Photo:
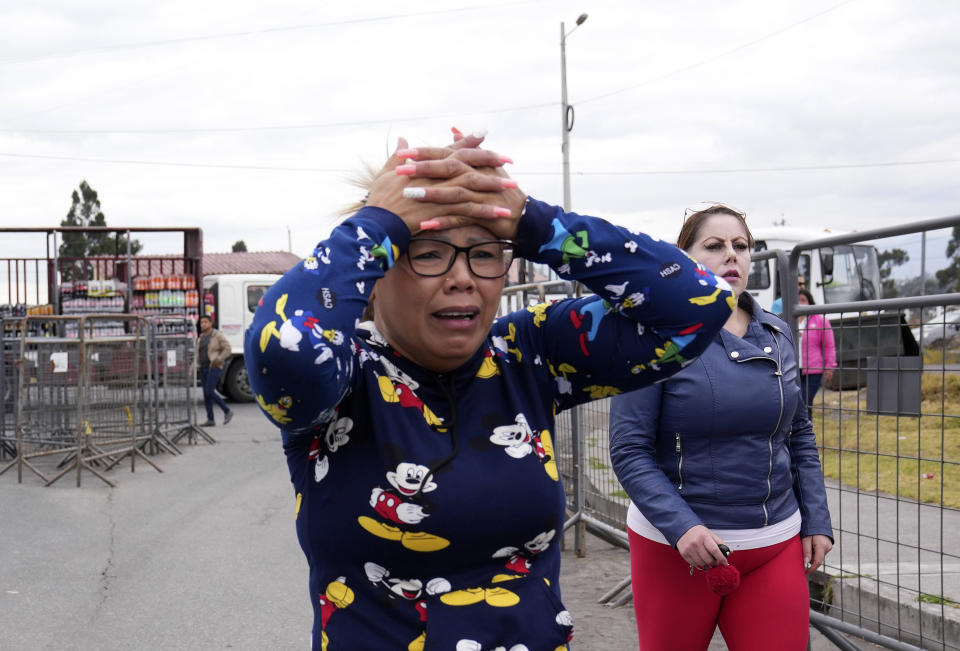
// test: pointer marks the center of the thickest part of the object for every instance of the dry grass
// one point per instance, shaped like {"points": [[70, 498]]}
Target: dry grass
{"points": [[907, 456], [940, 355]]}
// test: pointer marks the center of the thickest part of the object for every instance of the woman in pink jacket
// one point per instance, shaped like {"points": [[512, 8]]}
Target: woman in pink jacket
{"points": [[818, 353]]}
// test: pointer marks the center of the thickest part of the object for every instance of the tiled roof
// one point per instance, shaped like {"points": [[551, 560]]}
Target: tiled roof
{"points": [[249, 262]]}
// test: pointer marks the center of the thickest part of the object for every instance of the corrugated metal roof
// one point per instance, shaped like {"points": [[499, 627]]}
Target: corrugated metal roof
{"points": [[249, 262]]}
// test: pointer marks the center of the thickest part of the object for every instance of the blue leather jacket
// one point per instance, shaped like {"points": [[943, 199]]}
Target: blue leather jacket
{"points": [[726, 442]]}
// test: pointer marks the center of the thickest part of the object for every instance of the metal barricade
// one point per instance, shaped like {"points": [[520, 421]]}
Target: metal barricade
{"points": [[47, 367], [117, 408], [82, 399], [9, 385], [888, 428], [173, 351]]}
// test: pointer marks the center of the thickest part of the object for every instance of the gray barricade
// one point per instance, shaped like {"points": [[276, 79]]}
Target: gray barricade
{"points": [[173, 351], [117, 407], [9, 381], [83, 398], [46, 411], [84, 393], [888, 427]]}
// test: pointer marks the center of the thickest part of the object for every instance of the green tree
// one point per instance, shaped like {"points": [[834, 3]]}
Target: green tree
{"points": [[887, 260], [949, 277], [239, 246], [76, 247]]}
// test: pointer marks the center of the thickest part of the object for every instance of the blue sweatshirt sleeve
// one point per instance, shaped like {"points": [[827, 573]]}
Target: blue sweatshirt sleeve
{"points": [[634, 420], [653, 310], [299, 349]]}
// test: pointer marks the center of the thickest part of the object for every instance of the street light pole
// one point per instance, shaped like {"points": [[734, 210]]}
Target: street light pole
{"points": [[566, 114], [566, 111]]}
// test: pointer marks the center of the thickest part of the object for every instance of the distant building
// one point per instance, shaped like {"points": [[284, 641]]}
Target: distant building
{"points": [[249, 262]]}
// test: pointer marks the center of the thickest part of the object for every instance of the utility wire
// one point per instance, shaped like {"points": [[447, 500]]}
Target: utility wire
{"points": [[288, 127], [788, 168], [326, 125], [327, 170], [103, 95], [253, 32], [117, 161], [715, 57]]}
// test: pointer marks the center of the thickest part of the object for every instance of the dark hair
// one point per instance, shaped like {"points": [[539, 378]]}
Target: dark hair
{"points": [[806, 294], [694, 222], [207, 317]]}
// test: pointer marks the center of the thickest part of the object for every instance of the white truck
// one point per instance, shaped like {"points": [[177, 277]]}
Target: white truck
{"points": [[231, 300], [836, 274]]}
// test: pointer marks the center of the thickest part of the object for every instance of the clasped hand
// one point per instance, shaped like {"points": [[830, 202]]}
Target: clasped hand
{"points": [[433, 188]]}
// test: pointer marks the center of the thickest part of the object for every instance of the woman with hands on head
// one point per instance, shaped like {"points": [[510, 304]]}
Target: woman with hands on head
{"points": [[420, 442], [723, 453]]}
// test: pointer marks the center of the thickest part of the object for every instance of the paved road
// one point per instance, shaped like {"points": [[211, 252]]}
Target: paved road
{"points": [[202, 556]]}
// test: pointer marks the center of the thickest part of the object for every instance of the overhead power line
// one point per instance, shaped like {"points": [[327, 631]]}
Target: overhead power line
{"points": [[325, 125], [327, 170], [279, 127], [704, 62], [228, 166], [252, 32]]}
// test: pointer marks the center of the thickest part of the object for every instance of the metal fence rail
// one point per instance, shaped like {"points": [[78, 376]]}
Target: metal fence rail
{"points": [[80, 401], [9, 385], [888, 428], [45, 369], [172, 342], [77, 395], [117, 407]]}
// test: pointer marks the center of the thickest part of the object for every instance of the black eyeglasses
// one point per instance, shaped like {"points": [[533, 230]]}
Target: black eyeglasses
{"points": [[436, 257]]}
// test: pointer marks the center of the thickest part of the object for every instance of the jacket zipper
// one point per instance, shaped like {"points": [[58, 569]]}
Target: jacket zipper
{"points": [[679, 449], [779, 374]]}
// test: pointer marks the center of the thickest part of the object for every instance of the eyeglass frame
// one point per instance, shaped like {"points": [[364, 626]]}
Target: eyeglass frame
{"points": [[457, 250]]}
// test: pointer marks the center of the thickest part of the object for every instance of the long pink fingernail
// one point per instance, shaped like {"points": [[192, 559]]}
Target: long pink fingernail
{"points": [[407, 153], [509, 183], [500, 211], [505, 159], [406, 170], [428, 224]]}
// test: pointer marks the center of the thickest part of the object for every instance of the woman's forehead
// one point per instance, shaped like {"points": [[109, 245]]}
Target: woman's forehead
{"points": [[460, 235], [723, 226]]}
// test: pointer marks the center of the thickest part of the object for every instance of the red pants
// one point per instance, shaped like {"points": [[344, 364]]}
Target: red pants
{"points": [[677, 611]]}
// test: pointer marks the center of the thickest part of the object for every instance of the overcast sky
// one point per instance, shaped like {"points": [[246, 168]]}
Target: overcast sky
{"points": [[245, 117]]}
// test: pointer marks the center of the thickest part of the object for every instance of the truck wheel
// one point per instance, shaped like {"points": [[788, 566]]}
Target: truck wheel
{"points": [[237, 383]]}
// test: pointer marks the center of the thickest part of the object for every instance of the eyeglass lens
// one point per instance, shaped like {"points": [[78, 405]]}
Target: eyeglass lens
{"points": [[436, 257]]}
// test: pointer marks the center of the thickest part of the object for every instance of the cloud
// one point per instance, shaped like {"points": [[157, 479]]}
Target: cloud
{"points": [[172, 106]]}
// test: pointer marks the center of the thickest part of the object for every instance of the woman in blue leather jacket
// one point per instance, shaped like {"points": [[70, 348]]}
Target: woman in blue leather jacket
{"points": [[723, 453]]}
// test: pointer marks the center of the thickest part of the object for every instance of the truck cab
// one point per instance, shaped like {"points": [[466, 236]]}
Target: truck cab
{"points": [[230, 300], [836, 274]]}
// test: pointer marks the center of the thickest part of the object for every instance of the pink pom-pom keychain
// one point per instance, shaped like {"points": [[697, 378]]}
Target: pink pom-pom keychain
{"points": [[723, 579]]}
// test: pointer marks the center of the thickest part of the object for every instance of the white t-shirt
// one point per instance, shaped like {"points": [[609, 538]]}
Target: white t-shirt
{"points": [[734, 538]]}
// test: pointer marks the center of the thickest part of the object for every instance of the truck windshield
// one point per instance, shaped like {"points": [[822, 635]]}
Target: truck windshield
{"points": [[850, 273]]}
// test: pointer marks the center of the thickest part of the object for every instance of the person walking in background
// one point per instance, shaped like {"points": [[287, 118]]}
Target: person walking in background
{"points": [[419, 431], [777, 306], [723, 453], [818, 352], [213, 350]]}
